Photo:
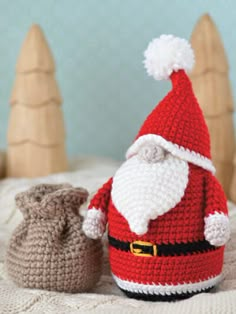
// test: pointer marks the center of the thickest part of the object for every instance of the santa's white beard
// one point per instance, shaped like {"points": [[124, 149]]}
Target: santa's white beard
{"points": [[142, 191]]}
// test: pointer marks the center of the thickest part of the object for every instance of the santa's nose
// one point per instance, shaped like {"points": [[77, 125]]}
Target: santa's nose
{"points": [[151, 153]]}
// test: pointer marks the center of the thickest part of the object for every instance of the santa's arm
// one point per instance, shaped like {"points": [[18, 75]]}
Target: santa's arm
{"points": [[94, 224], [217, 230]]}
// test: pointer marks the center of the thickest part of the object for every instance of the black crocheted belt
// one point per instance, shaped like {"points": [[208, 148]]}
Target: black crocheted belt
{"points": [[143, 248]]}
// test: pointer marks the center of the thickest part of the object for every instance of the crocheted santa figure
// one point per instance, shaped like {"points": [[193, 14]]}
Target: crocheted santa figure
{"points": [[166, 211]]}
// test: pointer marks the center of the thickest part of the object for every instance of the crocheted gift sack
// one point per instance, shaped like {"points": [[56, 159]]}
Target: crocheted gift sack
{"points": [[49, 250], [166, 211]]}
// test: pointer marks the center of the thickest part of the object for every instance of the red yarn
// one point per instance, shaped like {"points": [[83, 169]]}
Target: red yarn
{"points": [[182, 224], [179, 119], [166, 269], [102, 197]]}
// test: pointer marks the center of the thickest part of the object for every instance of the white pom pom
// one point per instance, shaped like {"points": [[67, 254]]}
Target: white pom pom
{"points": [[167, 54]]}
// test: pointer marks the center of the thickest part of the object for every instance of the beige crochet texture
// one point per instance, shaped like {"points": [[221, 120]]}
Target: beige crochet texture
{"points": [[49, 250]]}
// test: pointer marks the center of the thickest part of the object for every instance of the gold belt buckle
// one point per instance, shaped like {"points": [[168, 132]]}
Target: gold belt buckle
{"points": [[139, 252]]}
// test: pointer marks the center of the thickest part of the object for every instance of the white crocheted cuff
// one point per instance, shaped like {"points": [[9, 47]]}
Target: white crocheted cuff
{"points": [[217, 229], [94, 224]]}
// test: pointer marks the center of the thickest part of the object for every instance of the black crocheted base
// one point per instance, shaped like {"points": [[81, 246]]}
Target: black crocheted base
{"points": [[166, 298]]}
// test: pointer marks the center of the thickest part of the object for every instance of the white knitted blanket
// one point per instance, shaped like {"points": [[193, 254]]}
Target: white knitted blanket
{"points": [[106, 297]]}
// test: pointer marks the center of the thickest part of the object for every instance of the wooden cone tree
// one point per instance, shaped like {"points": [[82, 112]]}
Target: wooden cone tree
{"points": [[212, 88], [233, 183], [36, 130], [2, 164]]}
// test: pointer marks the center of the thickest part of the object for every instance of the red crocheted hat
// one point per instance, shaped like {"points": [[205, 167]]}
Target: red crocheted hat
{"points": [[177, 123]]}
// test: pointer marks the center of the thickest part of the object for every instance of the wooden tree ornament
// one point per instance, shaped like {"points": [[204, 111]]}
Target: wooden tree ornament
{"points": [[36, 136], [210, 78]]}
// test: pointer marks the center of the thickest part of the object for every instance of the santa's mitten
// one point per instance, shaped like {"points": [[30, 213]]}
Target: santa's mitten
{"points": [[94, 224], [217, 229]]}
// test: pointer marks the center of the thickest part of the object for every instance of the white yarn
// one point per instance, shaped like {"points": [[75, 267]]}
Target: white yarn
{"points": [[142, 191], [166, 289], [167, 54], [217, 229], [174, 149], [94, 224]]}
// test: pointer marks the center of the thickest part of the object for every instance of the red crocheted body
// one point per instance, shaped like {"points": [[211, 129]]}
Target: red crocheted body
{"points": [[182, 224]]}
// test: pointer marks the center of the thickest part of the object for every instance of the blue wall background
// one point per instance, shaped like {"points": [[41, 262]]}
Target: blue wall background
{"points": [[98, 47]]}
